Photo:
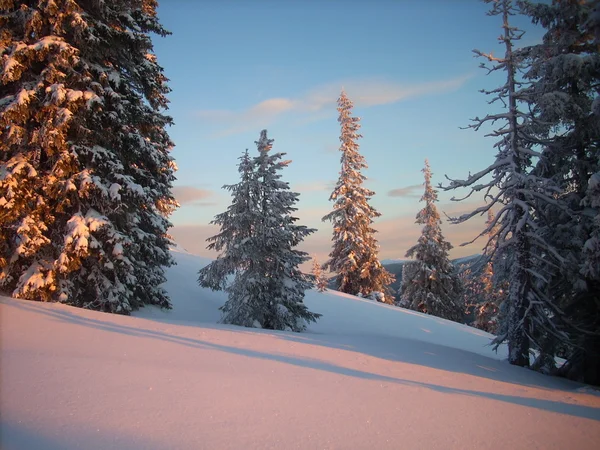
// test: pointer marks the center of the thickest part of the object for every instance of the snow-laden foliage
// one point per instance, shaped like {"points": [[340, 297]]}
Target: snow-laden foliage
{"points": [[430, 283], [258, 265], [85, 171], [354, 256], [564, 72], [520, 193], [319, 276], [485, 291], [237, 226]]}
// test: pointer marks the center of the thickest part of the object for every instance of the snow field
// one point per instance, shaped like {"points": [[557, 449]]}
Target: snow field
{"points": [[365, 376]]}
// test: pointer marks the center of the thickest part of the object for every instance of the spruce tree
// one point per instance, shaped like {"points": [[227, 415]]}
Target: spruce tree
{"points": [[354, 256], [257, 239], [521, 194], [564, 72], [430, 283], [317, 272], [85, 170]]}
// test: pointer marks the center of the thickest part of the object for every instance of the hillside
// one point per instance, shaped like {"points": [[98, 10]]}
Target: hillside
{"points": [[365, 376]]}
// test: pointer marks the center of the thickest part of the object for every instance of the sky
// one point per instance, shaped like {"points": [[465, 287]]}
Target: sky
{"points": [[237, 67]]}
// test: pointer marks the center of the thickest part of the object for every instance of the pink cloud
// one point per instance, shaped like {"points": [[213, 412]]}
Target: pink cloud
{"points": [[415, 190], [189, 195], [322, 99]]}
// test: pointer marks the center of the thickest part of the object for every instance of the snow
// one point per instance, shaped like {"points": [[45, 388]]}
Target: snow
{"points": [[365, 376], [114, 191]]}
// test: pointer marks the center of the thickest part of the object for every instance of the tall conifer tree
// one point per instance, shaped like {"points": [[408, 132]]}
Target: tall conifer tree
{"points": [[522, 195], [354, 256], [564, 71], [430, 283], [85, 171]]}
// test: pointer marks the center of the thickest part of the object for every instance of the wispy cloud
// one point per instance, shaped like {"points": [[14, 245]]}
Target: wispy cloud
{"points": [[378, 91], [315, 186], [192, 196], [259, 115], [413, 191], [315, 102]]}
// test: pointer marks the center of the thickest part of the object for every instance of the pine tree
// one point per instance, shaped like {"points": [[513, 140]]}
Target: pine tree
{"points": [[564, 71], [257, 239], [430, 283], [317, 272], [530, 312], [85, 171], [354, 254]]}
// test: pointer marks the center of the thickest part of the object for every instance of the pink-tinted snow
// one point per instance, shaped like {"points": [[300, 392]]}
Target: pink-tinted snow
{"points": [[367, 376]]}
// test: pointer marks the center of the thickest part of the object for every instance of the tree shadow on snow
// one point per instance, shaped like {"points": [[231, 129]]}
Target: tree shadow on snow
{"points": [[436, 356], [404, 350], [20, 435]]}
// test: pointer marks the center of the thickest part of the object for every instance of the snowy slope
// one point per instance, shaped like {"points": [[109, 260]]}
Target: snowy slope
{"points": [[365, 376]]}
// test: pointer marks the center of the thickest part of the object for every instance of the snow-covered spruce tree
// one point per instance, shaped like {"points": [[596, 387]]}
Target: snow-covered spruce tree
{"points": [[85, 171], [564, 71], [354, 256], [430, 283], [257, 239], [510, 183], [320, 278]]}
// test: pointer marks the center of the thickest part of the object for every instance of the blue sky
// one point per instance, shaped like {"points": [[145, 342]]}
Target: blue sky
{"points": [[237, 67]]}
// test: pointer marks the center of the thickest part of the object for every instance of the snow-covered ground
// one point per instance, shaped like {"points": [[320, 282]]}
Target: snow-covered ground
{"points": [[366, 376]]}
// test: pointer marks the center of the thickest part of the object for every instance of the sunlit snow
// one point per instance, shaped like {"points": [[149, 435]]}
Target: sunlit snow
{"points": [[366, 376]]}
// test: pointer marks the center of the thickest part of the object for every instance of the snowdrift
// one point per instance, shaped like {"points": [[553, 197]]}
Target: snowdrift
{"points": [[365, 376]]}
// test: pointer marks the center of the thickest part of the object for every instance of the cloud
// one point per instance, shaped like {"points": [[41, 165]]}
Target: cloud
{"points": [[189, 195], [257, 116], [315, 186], [322, 99], [272, 106], [379, 91], [413, 191]]}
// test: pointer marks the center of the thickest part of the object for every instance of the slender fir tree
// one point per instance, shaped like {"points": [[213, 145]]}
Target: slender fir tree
{"points": [[317, 272], [257, 240], [85, 170], [520, 192], [354, 256], [430, 283]]}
